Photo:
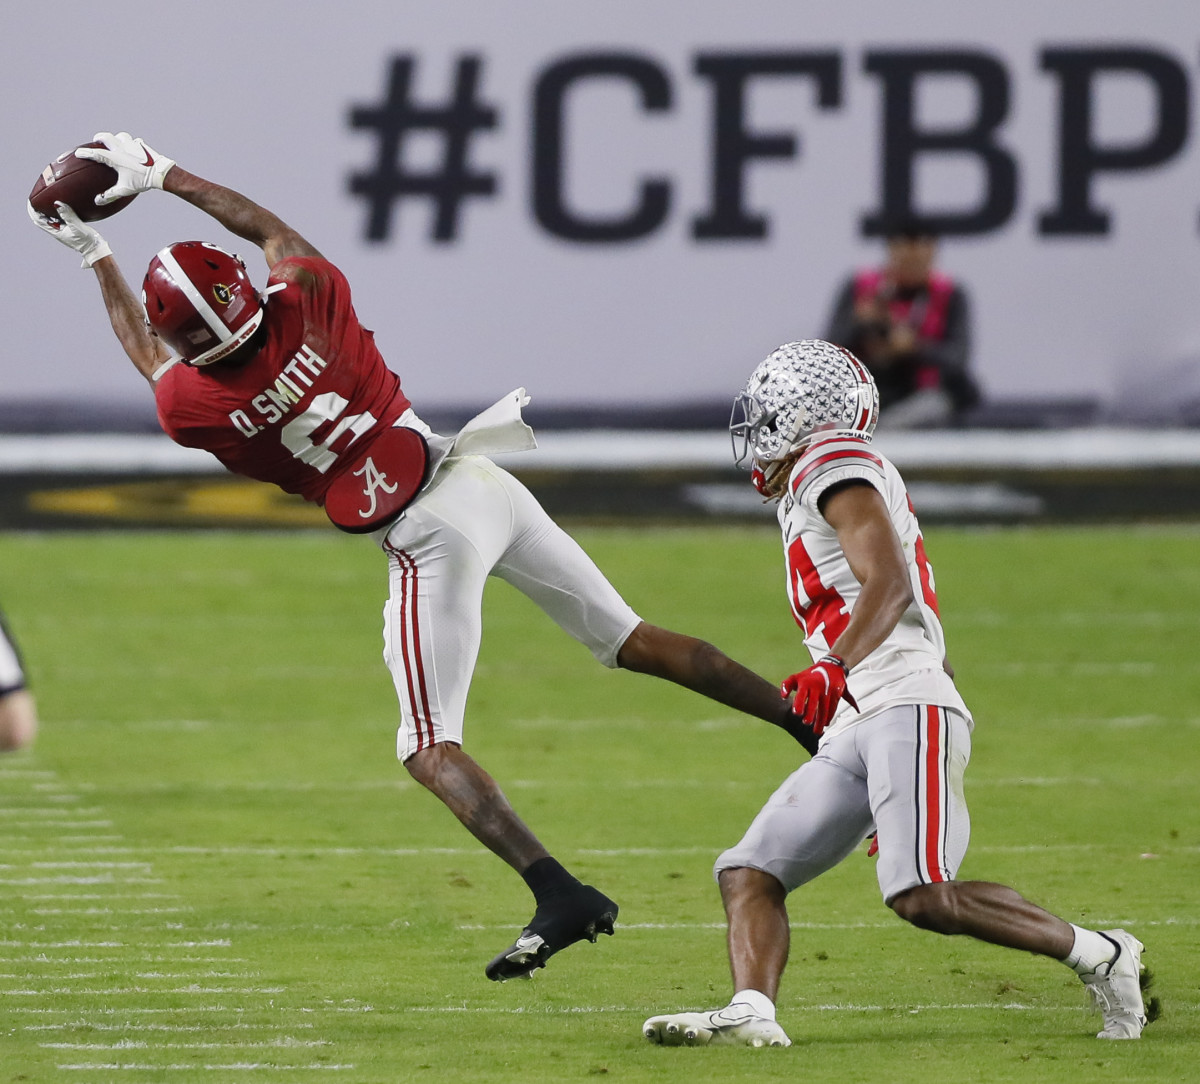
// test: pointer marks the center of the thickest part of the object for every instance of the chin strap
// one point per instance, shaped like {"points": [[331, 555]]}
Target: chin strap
{"points": [[771, 480]]}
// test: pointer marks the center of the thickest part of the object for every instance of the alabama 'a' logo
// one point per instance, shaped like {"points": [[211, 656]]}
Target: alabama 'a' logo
{"points": [[373, 480], [222, 293]]}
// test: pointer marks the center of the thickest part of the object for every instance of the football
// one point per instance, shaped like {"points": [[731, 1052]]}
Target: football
{"points": [[76, 182]]}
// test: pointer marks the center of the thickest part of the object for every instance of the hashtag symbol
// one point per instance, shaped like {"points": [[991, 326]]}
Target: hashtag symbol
{"points": [[389, 182]]}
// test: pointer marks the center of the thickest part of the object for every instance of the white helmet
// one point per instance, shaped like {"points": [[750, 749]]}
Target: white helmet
{"points": [[803, 388]]}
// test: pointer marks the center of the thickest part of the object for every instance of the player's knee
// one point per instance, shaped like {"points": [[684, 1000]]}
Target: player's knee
{"points": [[929, 907], [743, 881], [425, 765]]}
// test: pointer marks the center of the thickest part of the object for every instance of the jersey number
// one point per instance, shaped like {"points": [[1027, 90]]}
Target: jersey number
{"points": [[327, 407], [924, 568], [819, 608]]}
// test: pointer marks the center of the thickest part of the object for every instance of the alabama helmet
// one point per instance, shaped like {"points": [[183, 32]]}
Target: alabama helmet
{"points": [[802, 389], [200, 301]]}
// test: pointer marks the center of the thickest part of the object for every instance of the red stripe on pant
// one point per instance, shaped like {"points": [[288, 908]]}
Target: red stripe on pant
{"points": [[933, 796], [418, 695]]}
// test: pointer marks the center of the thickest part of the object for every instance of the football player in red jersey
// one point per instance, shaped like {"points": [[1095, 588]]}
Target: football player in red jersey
{"points": [[895, 735], [286, 386]]}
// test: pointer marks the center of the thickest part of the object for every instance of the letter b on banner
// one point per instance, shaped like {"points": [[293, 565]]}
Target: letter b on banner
{"points": [[904, 142]]}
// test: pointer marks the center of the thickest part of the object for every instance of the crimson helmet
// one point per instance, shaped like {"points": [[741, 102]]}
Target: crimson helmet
{"points": [[200, 301]]}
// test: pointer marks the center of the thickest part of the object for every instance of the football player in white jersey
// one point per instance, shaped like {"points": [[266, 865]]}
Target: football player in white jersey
{"points": [[894, 734]]}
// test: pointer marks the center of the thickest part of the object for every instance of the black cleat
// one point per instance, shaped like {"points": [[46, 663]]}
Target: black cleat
{"points": [[579, 915]]}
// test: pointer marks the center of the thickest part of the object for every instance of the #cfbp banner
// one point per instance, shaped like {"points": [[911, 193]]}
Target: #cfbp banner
{"points": [[633, 203]]}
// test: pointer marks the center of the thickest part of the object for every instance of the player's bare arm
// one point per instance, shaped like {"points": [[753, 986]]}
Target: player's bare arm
{"points": [[239, 215], [124, 312], [140, 168], [859, 515], [144, 348], [697, 665]]}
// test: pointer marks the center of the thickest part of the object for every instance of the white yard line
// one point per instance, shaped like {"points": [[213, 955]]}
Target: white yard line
{"points": [[893, 924], [793, 1007], [67, 879], [38, 896], [123, 1026], [133, 957], [111, 910], [192, 990], [76, 1014], [25, 825], [141, 1044], [249, 1067]]}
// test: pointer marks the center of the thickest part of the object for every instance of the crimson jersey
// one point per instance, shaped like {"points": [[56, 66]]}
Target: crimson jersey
{"points": [[316, 387], [822, 589]]}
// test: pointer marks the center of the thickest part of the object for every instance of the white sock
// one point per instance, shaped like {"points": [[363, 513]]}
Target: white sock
{"points": [[1090, 952], [760, 1003]]}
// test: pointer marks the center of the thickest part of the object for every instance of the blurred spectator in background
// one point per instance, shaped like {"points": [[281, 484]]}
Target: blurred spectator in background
{"points": [[18, 716], [911, 326]]}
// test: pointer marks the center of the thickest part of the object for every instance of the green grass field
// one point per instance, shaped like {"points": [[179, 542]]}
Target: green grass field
{"points": [[212, 868]]}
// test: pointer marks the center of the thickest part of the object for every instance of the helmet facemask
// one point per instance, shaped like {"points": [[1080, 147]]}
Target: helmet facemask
{"points": [[754, 429]]}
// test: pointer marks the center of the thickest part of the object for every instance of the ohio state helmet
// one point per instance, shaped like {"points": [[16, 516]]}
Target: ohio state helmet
{"points": [[200, 301], [802, 389]]}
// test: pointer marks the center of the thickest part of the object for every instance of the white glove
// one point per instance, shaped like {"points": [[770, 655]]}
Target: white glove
{"points": [[138, 167], [73, 233]]}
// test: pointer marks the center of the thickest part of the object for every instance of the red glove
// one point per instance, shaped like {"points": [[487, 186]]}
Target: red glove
{"points": [[819, 690]]}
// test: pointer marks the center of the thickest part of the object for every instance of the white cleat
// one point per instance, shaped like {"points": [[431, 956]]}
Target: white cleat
{"points": [[1116, 988], [734, 1025]]}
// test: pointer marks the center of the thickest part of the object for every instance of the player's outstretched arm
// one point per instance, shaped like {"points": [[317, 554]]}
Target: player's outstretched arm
{"points": [[240, 215], [140, 168], [144, 348], [124, 311]]}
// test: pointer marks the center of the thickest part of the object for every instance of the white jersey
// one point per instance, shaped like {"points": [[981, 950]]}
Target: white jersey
{"points": [[907, 667]]}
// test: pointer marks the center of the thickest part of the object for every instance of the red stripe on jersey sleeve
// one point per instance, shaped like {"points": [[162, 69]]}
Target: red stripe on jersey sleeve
{"points": [[807, 470]]}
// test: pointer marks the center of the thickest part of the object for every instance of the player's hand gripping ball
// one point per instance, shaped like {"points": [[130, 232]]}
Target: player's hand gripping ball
{"points": [[76, 182]]}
